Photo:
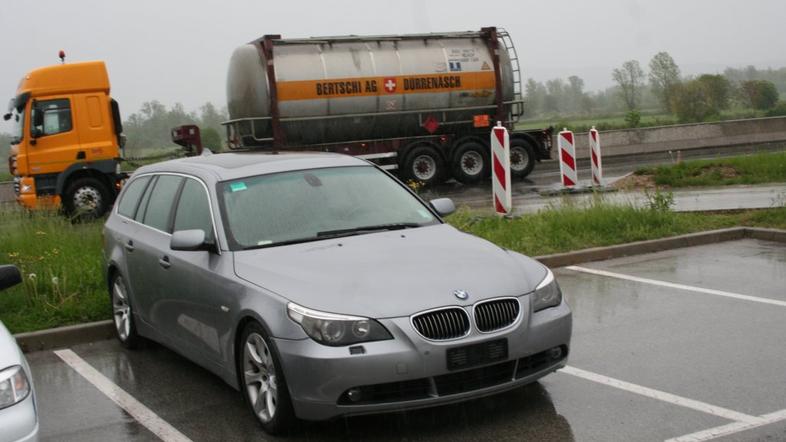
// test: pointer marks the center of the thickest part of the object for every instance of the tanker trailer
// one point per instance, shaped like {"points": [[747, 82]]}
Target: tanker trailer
{"points": [[421, 104]]}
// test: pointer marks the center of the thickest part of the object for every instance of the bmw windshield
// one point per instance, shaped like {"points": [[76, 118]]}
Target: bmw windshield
{"points": [[309, 205]]}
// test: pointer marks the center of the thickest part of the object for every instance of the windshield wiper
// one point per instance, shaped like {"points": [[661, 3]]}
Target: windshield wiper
{"points": [[337, 234], [366, 229]]}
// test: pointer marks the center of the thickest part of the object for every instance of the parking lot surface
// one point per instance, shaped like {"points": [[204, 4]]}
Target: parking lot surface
{"points": [[686, 344]]}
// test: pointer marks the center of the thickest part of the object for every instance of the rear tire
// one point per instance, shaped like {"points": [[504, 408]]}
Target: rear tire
{"points": [[471, 162], [522, 159], [424, 164], [86, 199], [262, 382], [122, 315]]}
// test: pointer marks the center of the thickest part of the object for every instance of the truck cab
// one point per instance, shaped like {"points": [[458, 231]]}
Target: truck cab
{"points": [[67, 139]]}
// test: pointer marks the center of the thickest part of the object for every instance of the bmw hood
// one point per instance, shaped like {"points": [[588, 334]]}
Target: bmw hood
{"points": [[392, 273]]}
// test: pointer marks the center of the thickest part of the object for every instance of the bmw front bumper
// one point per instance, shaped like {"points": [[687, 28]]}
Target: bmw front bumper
{"points": [[411, 372], [19, 422]]}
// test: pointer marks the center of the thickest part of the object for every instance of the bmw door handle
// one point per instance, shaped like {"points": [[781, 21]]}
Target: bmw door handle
{"points": [[129, 245], [164, 262]]}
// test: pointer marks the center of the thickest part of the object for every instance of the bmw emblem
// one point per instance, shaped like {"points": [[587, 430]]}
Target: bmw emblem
{"points": [[461, 294]]}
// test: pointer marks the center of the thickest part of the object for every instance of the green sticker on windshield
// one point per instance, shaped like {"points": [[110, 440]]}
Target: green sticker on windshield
{"points": [[238, 186]]}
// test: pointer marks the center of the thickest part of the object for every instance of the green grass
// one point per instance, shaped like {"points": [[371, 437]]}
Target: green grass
{"points": [[583, 124], [614, 122], [5, 175], [61, 265], [747, 169], [48, 246]]}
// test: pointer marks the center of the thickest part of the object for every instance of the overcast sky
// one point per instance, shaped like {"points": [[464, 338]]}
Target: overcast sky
{"points": [[177, 50]]}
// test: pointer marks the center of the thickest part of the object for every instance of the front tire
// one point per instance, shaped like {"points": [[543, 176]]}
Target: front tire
{"points": [[262, 380], [86, 198], [122, 315]]}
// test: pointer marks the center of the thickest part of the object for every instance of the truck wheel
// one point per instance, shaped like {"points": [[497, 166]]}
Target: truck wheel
{"points": [[522, 159], [424, 164], [86, 198], [471, 162]]}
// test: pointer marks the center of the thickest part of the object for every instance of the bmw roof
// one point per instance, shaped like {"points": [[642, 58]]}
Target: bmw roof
{"points": [[233, 165]]}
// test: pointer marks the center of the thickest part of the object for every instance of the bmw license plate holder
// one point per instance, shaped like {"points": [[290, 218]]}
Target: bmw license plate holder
{"points": [[469, 356]]}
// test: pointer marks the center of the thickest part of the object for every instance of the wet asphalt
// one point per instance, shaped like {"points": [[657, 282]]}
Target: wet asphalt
{"points": [[723, 351]]}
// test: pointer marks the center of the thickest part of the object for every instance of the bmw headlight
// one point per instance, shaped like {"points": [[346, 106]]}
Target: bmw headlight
{"points": [[547, 294], [14, 386], [337, 330]]}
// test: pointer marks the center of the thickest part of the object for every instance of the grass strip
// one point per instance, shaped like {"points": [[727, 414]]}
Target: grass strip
{"points": [[746, 169], [63, 268]]}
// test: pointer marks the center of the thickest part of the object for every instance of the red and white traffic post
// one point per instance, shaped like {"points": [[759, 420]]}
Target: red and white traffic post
{"points": [[500, 160], [567, 158], [597, 167]]}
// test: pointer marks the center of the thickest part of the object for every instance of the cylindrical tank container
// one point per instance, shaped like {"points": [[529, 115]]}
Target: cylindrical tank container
{"points": [[340, 89]]}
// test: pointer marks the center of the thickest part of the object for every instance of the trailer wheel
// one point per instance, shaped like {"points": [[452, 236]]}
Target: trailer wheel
{"points": [[522, 158], [424, 164], [86, 198], [471, 162]]}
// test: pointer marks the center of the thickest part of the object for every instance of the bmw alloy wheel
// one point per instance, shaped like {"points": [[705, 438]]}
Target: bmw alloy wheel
{"points": [[259, 373], [121, 309]]}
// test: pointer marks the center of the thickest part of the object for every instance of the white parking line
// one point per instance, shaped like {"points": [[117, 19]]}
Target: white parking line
{"points": [[725, 430], [677, 286], [136, 409], [663, 396]]}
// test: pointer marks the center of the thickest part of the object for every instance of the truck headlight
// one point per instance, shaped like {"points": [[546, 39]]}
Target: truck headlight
{"points": [[547, 294], [337, 330], [14, 387]]}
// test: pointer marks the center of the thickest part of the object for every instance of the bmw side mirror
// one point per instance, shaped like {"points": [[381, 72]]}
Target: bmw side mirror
{"points": [[9, 276], [443, 206], [188, 240]]}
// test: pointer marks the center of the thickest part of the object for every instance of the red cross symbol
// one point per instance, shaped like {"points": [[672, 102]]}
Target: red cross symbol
{"points": [[390, 85]]}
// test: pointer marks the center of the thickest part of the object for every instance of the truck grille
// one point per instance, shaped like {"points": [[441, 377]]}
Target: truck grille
{"points": [[496, 314], [442, 325]]}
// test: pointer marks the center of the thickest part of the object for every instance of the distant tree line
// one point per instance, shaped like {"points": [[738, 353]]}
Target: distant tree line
{"points": [[150, 127], [663, 88]]}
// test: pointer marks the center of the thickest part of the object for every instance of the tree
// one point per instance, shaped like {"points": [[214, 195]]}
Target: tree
{"points": [[630, 79], [575, 94], [664, 77], [211, 139], [759, 94], [534, 95], [692, 102], [718, 90], [555, 98]]}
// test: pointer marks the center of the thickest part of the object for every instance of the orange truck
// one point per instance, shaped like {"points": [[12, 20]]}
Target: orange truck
{"points": [[67, 139]]}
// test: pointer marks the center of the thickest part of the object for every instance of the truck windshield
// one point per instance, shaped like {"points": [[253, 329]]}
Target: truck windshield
{"points": [[316, 204]]}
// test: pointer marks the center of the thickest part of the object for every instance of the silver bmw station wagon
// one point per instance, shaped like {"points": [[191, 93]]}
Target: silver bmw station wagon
{"points": [[320, 286]]}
